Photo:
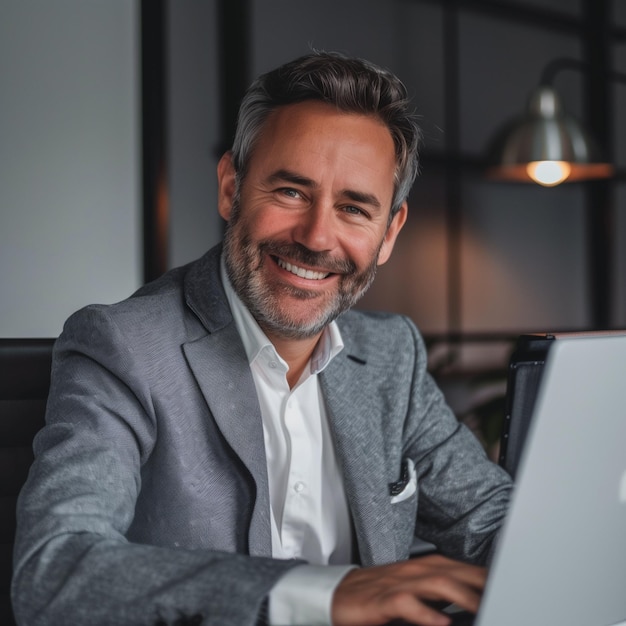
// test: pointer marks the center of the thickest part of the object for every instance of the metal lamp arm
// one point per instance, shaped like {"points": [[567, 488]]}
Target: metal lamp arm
{"points": [[564, 63]]}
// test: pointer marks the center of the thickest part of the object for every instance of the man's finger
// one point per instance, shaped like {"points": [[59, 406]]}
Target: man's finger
{"points": [[377, 595]]}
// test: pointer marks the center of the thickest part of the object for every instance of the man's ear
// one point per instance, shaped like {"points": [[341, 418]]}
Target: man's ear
{"points": [[392, 233], [226, 185]]}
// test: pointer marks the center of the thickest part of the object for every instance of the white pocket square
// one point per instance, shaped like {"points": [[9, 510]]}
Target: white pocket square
{"points": [[407, 486]]}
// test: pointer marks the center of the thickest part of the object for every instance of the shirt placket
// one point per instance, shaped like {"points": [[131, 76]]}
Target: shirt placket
{"points": [[297, 511]]}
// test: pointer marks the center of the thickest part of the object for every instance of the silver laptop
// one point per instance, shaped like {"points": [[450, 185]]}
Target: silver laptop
{"points": [[561, 560]]}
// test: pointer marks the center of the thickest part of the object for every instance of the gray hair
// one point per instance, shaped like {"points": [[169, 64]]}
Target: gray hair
{"points": [[352, 85]]}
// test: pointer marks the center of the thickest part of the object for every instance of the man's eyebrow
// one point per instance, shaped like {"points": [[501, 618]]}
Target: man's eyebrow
{"points": [[361, 197], [288, 176]]}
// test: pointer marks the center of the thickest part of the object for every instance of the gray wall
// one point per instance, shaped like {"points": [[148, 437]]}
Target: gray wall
{"points": [[69, 159]]}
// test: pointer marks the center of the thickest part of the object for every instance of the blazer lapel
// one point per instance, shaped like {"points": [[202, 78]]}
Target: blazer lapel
{"points": [[219, 364], [355, 420]]}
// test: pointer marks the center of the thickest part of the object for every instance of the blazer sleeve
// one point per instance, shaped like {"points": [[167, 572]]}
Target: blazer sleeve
{"points": [[463, 495], [72, 562]]}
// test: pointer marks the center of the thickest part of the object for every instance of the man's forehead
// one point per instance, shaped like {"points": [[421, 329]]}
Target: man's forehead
{"points": [[311, 129]]}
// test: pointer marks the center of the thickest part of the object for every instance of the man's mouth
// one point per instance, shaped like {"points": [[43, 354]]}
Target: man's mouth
{"points": [[300, 271]]}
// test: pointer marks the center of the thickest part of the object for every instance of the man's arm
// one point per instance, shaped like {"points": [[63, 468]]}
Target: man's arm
{"points": [[462, 499], [463, 495], [73, 562]]}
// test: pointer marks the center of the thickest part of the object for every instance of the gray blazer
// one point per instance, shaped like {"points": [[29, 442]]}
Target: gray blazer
{"points": [[148, 499]]}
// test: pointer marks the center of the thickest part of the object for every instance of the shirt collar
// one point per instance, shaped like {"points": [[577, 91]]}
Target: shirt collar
{"points": [[255, 341]]}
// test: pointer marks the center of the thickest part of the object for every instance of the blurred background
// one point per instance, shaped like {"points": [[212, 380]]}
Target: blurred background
{"points": [[113, 114]]}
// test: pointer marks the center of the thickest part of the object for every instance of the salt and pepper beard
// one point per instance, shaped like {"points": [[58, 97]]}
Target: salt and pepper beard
{"points": [[244, 259]]}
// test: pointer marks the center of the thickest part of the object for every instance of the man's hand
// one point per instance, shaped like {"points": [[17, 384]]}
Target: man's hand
{"points": [[376, 595]]}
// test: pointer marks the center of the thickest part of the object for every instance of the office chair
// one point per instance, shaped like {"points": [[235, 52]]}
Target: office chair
{"points": [[24, 383], [526, 367]]}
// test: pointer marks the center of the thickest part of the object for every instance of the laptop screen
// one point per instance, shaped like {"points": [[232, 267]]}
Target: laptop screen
{"points": [[561, 558]]}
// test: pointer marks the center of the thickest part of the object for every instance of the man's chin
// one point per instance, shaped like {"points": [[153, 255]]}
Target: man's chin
{"points": [[292, 326], [298, 295]]}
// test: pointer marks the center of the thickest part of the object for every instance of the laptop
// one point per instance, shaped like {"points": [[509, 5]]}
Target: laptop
{"points": [[561, 557]]}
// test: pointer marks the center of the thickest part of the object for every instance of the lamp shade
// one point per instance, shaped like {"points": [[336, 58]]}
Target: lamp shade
{"points": [[545, 145]]}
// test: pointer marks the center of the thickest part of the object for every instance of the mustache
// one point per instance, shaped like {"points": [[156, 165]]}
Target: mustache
{"points": [[301, 254]]}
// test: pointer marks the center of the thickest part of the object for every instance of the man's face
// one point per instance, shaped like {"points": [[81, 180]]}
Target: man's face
{"points": [[310, 224]]}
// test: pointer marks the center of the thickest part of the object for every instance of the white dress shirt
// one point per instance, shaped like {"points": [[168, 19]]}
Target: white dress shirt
{"points": [[310, 518]]}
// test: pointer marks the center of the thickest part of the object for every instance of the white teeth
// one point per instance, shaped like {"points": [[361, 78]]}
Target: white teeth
{"points": [[299, 271]]}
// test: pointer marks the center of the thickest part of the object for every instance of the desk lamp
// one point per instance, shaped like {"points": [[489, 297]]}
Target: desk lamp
{"points": [[545, 144]]}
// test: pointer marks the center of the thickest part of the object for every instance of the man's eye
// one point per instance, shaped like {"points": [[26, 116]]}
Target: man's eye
{"points": [[291, 193], [354, 210]]}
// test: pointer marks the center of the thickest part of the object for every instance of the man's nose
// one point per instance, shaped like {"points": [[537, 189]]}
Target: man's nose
{"points": [[316, 229]]}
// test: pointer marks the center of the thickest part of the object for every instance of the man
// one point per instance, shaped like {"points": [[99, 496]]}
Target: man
{"points": [[232, 443]]}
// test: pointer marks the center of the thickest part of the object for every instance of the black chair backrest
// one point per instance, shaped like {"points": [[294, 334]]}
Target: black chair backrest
{"points": [[24, 383], [525, 371]]}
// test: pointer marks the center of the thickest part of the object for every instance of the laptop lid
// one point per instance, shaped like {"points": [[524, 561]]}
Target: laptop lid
{"points": [[561, 558]]}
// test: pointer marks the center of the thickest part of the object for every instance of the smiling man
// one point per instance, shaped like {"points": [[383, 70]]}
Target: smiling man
{"points": [[233, 444]]}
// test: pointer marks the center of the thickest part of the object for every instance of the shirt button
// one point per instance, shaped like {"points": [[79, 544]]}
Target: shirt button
{"points": [[299, 487], [273, 365]]}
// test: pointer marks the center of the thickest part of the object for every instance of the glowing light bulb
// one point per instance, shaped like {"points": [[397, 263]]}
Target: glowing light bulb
{"points": [[549, 173]]}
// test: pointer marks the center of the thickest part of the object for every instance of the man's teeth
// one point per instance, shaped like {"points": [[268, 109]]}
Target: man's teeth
{"points": [[299, 271]]}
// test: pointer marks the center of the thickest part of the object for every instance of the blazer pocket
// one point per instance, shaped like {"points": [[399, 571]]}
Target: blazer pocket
{"points": [[406, 487]]}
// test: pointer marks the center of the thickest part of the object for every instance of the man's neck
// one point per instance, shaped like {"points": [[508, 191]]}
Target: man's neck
{"points": [[296, 353]]}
